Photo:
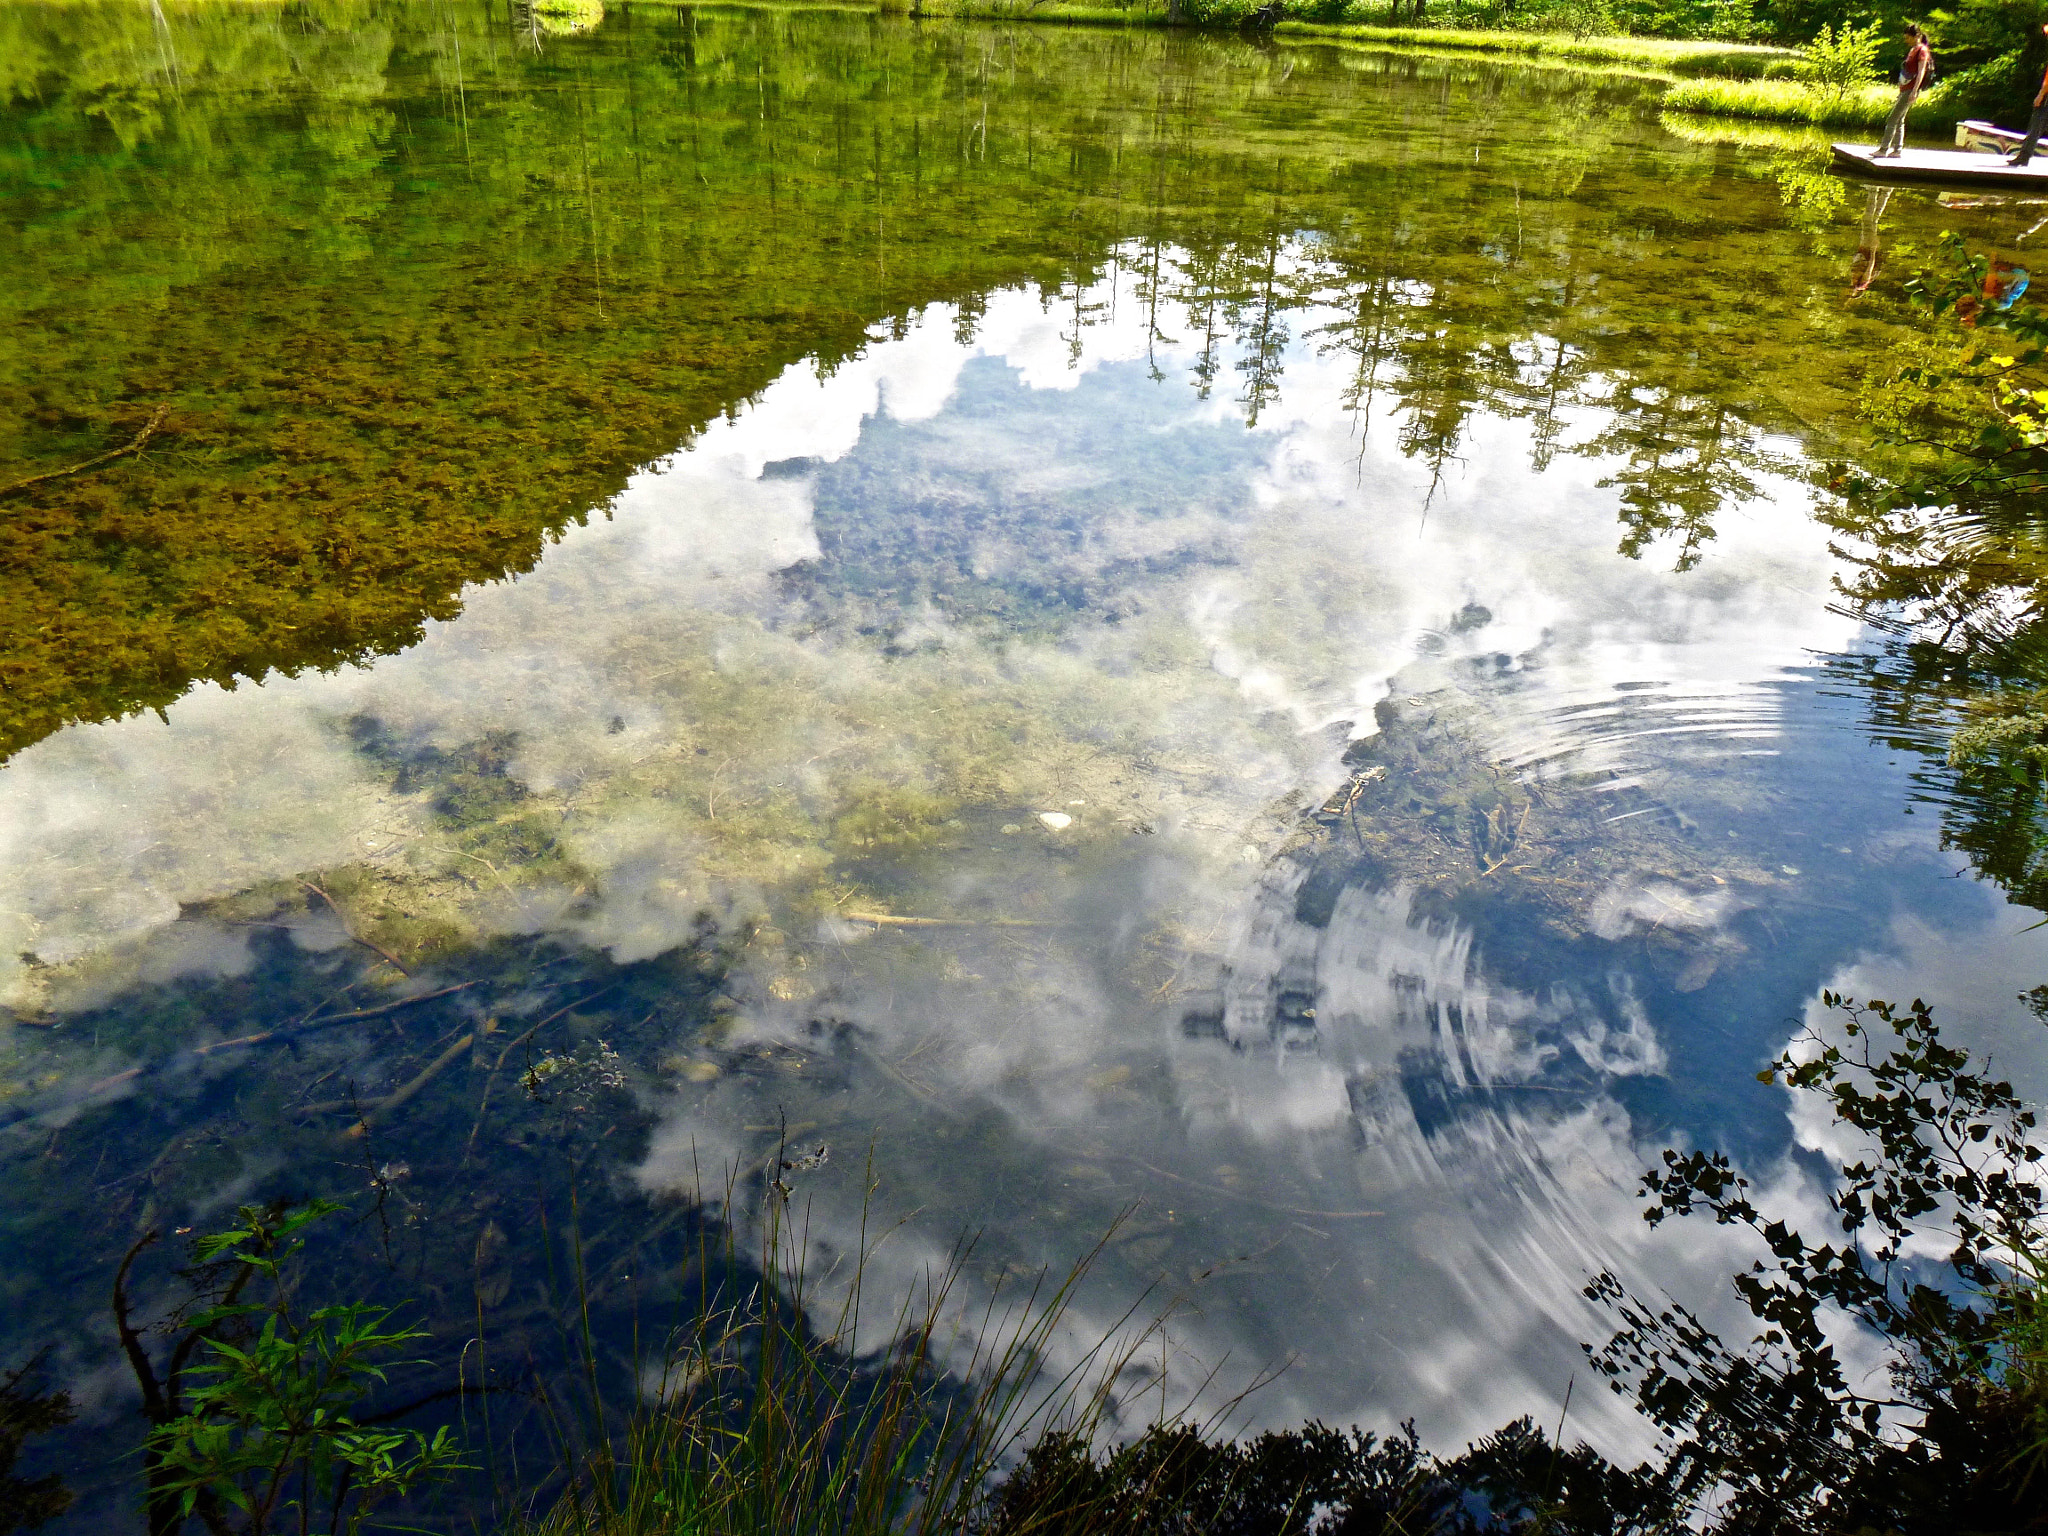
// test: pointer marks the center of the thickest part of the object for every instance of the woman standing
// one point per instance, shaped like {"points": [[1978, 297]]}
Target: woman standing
{"points": [[1912, 78]]}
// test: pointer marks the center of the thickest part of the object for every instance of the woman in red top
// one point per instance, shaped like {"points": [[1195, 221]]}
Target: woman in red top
{"points": [[1912, 76]]}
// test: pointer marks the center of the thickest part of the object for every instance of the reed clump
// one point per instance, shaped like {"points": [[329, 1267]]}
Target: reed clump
{"points": [[772, 1415]]}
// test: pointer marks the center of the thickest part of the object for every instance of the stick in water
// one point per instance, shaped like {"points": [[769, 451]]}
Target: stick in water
{"points": [[141, 437]]}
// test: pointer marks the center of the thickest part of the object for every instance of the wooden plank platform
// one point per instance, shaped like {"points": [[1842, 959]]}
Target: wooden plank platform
{"points": [[1954, 167]]}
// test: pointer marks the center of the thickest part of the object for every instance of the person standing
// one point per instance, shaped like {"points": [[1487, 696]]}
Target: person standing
{"points": [[1912, 77], [2039, 122]]}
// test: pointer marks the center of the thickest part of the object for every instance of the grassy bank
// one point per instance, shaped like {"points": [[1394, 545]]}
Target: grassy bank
{"points": [[1656, 55], [1787, 101], [1660, 57]]}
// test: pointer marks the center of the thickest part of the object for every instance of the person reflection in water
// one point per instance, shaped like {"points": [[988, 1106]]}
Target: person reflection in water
{"points": [[1912, 77], [2038, 123], [1863, 270]]}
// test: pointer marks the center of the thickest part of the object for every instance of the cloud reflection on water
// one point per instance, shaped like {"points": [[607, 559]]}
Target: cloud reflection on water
{"points": [[706, 728]]}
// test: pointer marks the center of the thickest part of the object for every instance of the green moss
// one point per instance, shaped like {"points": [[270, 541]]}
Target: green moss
{"points": [[417, 336], [892, 818]]}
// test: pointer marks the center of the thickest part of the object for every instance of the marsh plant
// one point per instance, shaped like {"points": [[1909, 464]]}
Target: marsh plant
{"points": [[784, 1404], [780, 1407], [256, 1411]]}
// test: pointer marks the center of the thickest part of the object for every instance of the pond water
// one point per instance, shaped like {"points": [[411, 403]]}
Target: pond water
{"points": [[1097, 623]]}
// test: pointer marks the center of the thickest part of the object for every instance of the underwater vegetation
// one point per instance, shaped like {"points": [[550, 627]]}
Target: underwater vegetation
{"points": [[28, 1408], [419, 295]]}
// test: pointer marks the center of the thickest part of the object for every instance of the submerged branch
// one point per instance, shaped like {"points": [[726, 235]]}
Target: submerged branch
{"points": [[365, 1108], [14, 1113], [349, 928], [891, 920], [156, 420]]}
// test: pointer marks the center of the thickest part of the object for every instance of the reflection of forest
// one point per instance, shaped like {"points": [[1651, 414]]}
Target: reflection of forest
{"points": [[1963, 642], [1942, 526], [419, 290]]}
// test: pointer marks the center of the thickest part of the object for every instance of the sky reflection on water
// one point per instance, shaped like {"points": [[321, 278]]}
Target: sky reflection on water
{"points": [[1000, 679]]}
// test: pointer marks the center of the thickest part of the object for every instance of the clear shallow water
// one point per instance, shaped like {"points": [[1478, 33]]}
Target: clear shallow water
{"points": [[1177, 735]]}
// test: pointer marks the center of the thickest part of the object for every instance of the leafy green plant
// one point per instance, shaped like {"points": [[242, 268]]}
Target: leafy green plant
{"points": [[256, 1414], [2007, 733], [1943, 1251], [1577, 19], [1838, 62], [1735, 20], [1174, 1479]]}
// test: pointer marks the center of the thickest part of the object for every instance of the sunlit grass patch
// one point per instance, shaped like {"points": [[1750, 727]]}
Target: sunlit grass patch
{"points": [[1672, 56], [1788, 101], [563, 17]]}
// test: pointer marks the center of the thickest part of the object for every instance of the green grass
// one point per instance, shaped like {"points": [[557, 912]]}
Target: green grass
{"points": [[782, 1407], [1659, 55], [1786, 101]]}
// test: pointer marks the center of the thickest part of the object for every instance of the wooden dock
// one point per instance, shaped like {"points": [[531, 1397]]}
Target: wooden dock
{"points": [[1950, 167]]}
